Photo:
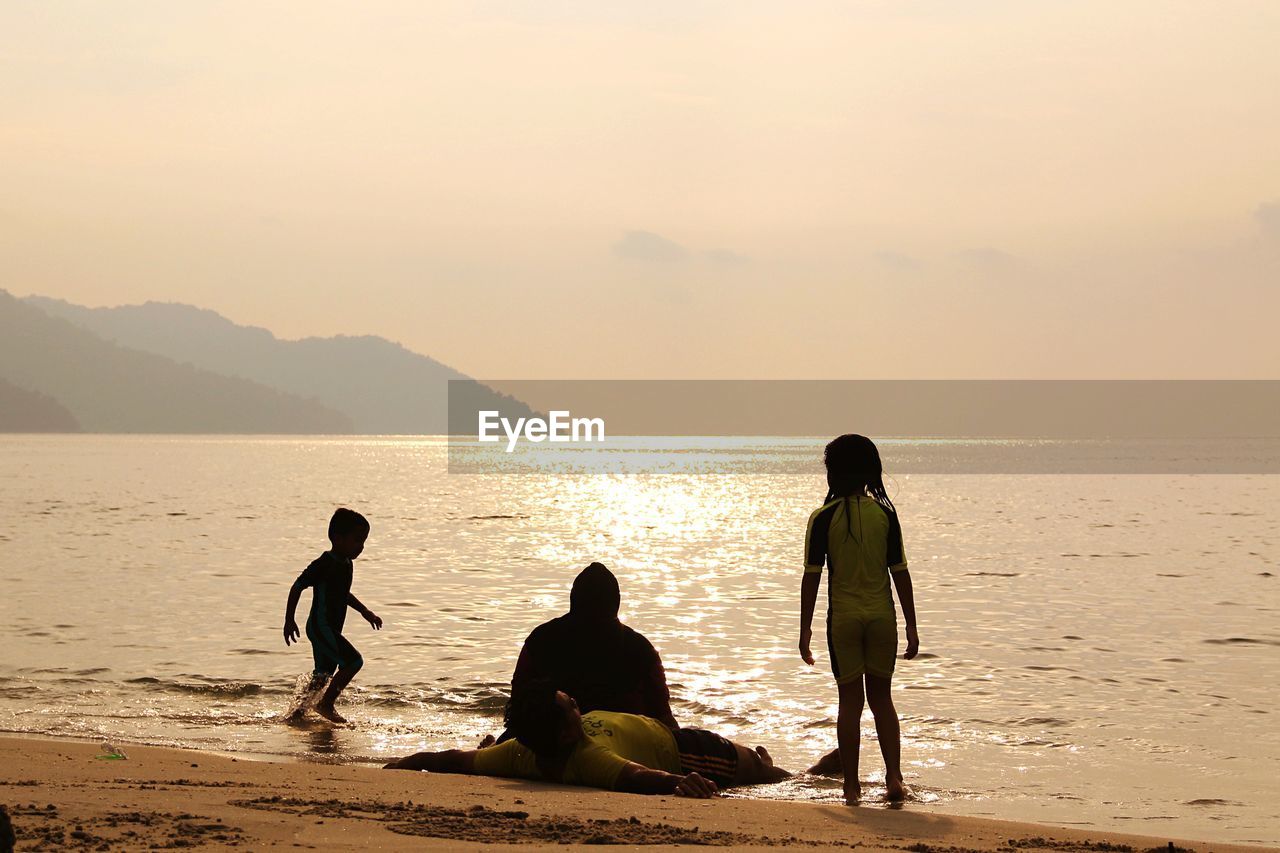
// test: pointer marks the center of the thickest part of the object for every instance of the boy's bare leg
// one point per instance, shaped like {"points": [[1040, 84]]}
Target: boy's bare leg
{"points": [[849, 736], [755, 767], [307, 696], [880, 698], [336, 685]]}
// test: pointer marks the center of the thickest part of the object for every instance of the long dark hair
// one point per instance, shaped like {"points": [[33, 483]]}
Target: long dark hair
{"points": [[853, 468]]}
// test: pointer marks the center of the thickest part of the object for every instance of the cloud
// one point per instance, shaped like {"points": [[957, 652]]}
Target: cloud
{"points": [[647, 246], [985, 259], [727, 257]]}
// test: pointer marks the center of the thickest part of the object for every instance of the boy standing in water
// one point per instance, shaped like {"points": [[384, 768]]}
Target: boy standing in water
{"points": [[329, 576], [855, 535]]}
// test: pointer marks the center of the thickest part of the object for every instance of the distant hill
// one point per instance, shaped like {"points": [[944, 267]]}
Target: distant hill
{"points": [[29, 411], [379, 385], [105, 387]]}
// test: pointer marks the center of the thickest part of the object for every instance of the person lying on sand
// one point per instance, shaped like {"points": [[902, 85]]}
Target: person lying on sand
{"points": [[555, 741]]}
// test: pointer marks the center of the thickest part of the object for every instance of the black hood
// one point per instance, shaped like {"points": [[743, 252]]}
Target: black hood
{"points": [[595, 596]]}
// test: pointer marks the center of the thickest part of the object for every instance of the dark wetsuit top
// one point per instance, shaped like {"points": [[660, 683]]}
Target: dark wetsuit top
{"points": [[329, 576]]}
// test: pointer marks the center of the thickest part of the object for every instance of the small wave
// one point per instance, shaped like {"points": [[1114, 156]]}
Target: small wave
{"points": [[19, 691], [1211, 801], [1241, 641], [1052, 722], [206, 687], [481, 697]]}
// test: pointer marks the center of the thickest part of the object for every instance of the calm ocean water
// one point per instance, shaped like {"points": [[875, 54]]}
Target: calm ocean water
{"points": [[1097, 650]]}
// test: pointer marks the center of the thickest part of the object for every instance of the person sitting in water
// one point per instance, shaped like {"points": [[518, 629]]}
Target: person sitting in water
{"points": [[555, 741], [593, 657]]}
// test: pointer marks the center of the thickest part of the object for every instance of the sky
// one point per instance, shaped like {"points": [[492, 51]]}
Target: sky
{"points": [[666, 189]]}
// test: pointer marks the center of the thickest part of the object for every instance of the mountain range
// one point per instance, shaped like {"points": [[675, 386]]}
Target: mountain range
{"points": [[165, 367]]}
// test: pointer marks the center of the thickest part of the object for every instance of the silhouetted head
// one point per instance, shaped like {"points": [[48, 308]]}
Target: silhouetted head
{"points": [[348, 531], [595, 596], [853, 468], [543, 719]]}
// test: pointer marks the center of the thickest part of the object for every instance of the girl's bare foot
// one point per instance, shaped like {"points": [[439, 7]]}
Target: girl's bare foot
{"points": [[895, 790], [329, 714], [489, 740], [852, 792]]}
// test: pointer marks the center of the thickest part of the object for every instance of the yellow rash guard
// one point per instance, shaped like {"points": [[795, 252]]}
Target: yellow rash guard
{"points": [[612, 741], [859, 542]]}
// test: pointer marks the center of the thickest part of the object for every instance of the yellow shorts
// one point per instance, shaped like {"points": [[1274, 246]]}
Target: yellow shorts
{"points": [[860, 644]]}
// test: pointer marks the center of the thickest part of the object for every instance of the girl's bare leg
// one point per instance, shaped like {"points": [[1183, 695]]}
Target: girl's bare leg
{"points": [[880, 698], [849, 736]]}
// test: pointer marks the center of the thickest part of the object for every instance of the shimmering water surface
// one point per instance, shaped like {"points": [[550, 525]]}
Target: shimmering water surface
{"points": [[1097, 650]]}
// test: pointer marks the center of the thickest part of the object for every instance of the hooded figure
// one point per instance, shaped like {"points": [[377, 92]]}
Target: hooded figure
{"points": [[589, 654]]}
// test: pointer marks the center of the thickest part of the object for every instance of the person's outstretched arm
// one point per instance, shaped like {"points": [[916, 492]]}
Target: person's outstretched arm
{"points": [[638, 779], [808, 601], [372, 618], [449, 761], [907, 599]]}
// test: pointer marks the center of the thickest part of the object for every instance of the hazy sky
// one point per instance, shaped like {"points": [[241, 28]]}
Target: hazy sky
{"points": [[554, 189]]}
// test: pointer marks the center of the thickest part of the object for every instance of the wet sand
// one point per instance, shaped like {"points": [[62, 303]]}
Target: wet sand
{"points": [[60, 795]]}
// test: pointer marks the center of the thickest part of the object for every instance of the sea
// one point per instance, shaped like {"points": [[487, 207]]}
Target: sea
{"points": [[1098, 649]]}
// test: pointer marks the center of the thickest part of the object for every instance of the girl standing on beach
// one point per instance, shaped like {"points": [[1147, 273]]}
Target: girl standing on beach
{"points": [[855, 535]]}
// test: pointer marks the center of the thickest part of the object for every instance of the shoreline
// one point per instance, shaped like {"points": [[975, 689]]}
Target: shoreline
{"points": [[61, 796]]}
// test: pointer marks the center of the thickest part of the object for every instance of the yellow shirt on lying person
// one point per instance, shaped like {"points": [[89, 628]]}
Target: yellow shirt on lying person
{"points": [[612, 740]]}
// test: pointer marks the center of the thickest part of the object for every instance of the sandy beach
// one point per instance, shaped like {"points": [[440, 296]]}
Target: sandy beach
{"points": [[61, 795]]}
